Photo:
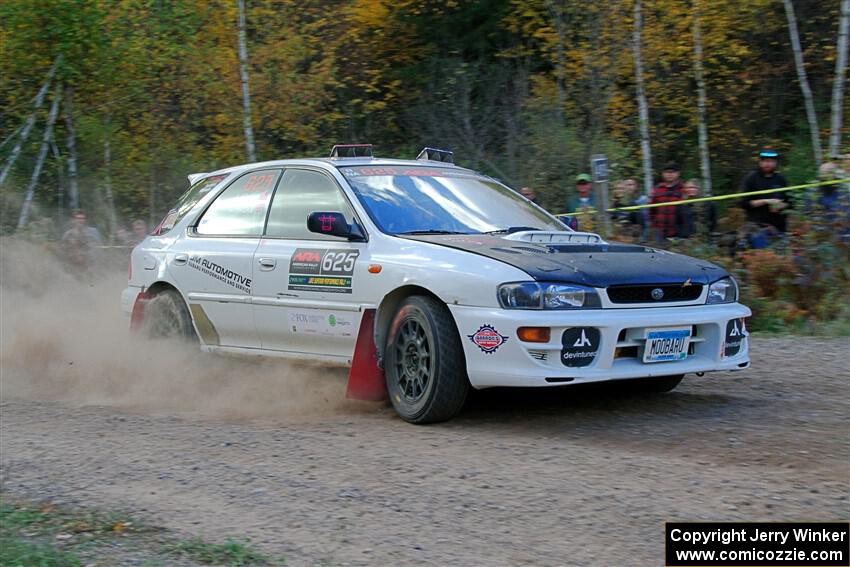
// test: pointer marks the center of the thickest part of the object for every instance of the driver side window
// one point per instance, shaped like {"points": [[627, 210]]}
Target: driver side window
{"points": [[241, 208], [301, 192]]}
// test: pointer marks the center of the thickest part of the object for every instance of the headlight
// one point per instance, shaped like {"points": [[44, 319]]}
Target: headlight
{"points": [[533, 295], [722, 291]]}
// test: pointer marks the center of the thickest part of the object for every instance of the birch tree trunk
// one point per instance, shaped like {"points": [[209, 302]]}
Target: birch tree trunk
{"points": [[643, 111], [107, 186], [246, 91], [702, 127], [60, 172], [42, 153], [25, 132], [71, 143], [804, 81], [838, 81]]}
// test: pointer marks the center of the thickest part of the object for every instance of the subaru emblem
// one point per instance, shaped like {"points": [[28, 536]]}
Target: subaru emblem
{"points": [[657, 293]]}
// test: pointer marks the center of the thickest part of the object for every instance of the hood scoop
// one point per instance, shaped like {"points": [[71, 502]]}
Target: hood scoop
{"points": [[555, 237]]}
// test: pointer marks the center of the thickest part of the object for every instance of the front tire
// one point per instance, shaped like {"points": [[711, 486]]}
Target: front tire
{"points": [[425, 369], [167, 317]]}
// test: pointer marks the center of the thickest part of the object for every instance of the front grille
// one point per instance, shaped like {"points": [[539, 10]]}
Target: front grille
{"points": [[643, 293]]}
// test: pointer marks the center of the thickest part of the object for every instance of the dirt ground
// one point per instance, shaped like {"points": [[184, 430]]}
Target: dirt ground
{"points": [[575, 476]]}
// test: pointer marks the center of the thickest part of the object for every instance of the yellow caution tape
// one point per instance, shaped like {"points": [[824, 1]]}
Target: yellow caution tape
{"points": [[714, 198]]}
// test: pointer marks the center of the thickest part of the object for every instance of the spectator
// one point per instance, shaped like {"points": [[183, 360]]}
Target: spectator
{"points": [[834, 199], [583, 198], [629, 223], [122, 237], [140, 231], [529, 194], [697, 218], [766, 211], [581, 206], [80, 242], [663, 219]]}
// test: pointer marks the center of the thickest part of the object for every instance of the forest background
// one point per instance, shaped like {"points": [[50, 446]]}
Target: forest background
{"points": [[119, 100]]}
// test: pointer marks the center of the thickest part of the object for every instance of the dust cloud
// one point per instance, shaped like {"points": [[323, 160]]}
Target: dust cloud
{"points": [[64, 338]]}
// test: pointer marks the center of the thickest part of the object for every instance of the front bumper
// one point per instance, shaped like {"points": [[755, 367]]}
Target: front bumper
{"points": [[622, 332]]}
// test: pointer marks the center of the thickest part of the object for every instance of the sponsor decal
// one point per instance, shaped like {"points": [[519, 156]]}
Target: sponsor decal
{"points": [[735, 333], [488, 339], [579, 346], [320, 323], [261, 182], [327, 222], [323, 270], [403, 170], [219, 272]]}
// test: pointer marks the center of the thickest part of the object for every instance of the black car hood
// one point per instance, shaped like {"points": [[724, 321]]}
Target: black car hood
{"points": [[597, 265]]}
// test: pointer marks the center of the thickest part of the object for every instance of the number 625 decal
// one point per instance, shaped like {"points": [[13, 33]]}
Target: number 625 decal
{"points": [[339, 262]]}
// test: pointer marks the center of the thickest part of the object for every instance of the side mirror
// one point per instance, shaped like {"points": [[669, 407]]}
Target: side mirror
{"points": [[333, 224]]}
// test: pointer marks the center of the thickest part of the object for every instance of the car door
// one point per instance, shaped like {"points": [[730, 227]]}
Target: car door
{"points": [[308, 287], [214, 263]]}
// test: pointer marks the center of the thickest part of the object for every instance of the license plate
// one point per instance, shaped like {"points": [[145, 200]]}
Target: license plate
{"points": [[665, 345]]}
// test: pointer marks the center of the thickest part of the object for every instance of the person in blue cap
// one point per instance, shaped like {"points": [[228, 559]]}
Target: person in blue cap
{"points": [[766, 211]]}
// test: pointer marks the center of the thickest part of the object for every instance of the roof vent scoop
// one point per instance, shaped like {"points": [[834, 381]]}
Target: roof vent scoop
{"points": [[351, 150], [436, 154]]}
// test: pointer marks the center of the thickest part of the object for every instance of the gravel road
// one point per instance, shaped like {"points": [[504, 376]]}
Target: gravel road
{"points": [[557, 477]]}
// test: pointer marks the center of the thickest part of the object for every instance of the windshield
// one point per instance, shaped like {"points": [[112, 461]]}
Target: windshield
{"points": [[409, 200]]}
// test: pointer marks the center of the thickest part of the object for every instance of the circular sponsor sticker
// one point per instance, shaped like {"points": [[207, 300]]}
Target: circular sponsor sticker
{"points": [[579, 346], [735, 333], [487, 338]]}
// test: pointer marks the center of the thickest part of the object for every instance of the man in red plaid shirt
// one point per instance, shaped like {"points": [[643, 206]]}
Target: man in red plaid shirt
{"points": [[663, 219]]}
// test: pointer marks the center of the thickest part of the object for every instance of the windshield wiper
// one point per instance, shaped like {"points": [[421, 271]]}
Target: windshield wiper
{"points": [[511, 230], [432, 232]]}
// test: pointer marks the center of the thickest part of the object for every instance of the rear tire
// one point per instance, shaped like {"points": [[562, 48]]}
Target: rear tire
{"points": [[425, 369], [167, 317], [658, 384]]}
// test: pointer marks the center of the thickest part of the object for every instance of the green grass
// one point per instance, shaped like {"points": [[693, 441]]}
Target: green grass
{"points": [[19, 551], [233, 553], [16, 552], [28, 538]]}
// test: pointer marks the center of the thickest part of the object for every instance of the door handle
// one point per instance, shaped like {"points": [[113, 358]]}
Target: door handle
{"points": [[181, 259], [267, 263]]}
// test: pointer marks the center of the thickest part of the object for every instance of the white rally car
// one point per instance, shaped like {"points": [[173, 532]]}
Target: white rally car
{"points": [[427, 278]]}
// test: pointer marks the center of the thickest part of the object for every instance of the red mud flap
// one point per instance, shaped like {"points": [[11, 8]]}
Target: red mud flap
{"points": [[137, 317], [366, 379]]}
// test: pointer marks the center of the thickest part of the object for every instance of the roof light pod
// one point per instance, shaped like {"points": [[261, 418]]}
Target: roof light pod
{"points": [[436, 154], [351, 150]]}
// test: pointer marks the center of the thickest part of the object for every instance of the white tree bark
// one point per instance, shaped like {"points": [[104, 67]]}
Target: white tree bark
{"points": [[60, 171], [42, 153], [804, 81], [643, 110], [107, 186], [838, 81], [71, 144], [702, 127], [25, 132], [250, 151]]}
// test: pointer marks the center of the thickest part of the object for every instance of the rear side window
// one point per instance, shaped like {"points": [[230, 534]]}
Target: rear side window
{"points": [[240, 210], [188, 201], [300, 193]]}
